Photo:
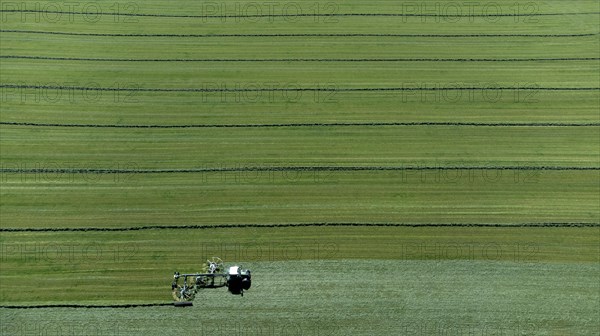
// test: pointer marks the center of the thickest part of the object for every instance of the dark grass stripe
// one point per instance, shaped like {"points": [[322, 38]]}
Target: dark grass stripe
{"points": [[350, 124], [96, 14], [310, 89], [292, 34], [286, 169], [293, 225], [259, 60], [89, 306]]}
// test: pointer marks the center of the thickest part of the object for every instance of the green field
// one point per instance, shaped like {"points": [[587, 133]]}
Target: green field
{"points": [[433, 297], [470, 129]]}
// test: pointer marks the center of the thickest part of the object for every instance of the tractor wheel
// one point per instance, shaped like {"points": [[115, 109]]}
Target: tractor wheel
{"points": [[214, 265], [180, 294]]}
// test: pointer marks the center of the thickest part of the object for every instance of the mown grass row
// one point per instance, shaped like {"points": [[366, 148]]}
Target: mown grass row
{"points": [[278, 197], [319, 146]]}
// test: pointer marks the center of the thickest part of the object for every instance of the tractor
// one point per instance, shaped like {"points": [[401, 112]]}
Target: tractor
{"points": [[213, 275]]}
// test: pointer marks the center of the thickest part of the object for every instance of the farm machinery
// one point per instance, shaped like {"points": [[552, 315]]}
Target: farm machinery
{"points": [[213, 275]]}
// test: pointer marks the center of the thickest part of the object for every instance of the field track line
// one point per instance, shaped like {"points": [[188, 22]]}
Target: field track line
{"points": [[284, 168], [89, 306], [259, 60], [299, 89], [96, 14], [266, 226], [292, 34], [350, 124]]}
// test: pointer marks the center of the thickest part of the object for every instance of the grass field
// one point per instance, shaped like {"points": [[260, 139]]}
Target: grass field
{"points": [[433, 297], [391, 168]]}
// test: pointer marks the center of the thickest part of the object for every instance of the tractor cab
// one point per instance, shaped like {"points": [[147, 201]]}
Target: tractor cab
{"points": [[238, 280]]}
